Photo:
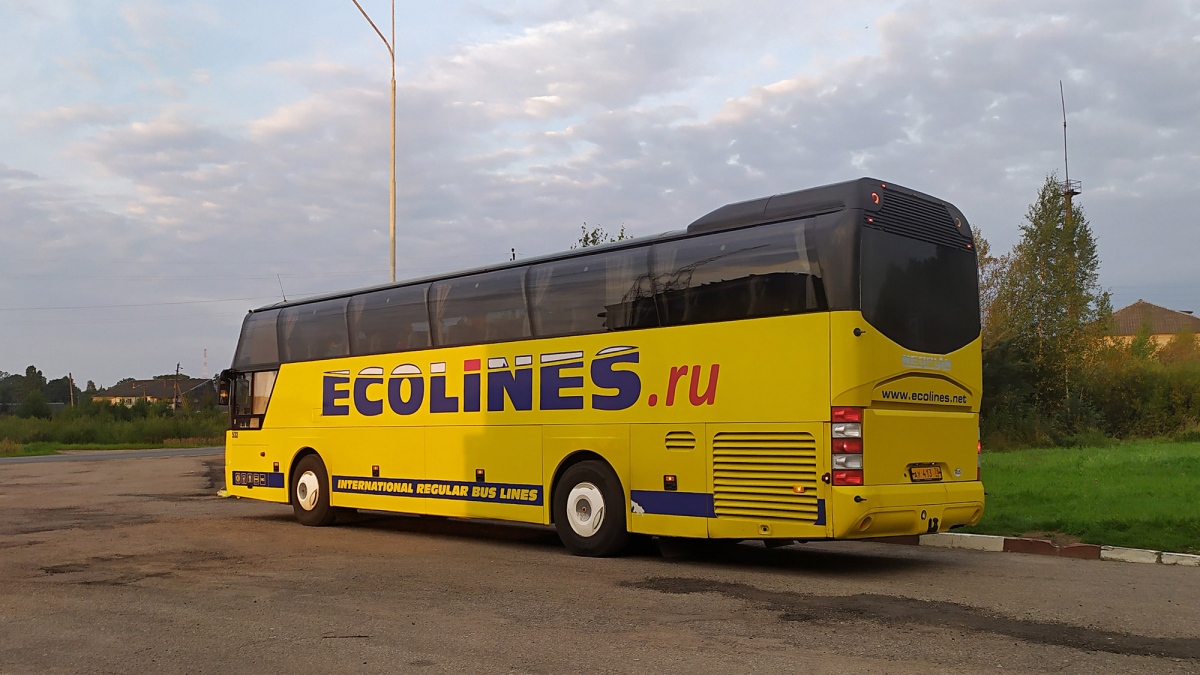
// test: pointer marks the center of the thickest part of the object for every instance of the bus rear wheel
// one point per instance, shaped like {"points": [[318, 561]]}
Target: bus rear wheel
{"points": [[310, 492], [589, 510]]}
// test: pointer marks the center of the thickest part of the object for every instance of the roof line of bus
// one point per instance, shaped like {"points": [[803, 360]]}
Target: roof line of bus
{"points": [[763, 210]]}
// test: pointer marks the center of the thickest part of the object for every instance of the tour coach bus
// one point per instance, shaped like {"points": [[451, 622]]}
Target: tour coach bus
{"points": [[803, 366]]}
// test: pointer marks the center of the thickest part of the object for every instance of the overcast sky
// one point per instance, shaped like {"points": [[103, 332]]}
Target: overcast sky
{"points": [[165, 166]]}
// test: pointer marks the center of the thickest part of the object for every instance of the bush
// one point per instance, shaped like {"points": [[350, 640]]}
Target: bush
{"points": [[1146, 398], [98, 423], [34, 406], [1129, 392]]}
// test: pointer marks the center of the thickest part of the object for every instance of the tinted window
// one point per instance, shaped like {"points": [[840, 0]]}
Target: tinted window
{"points": [[592, 294], [923, 296], [259, 343], [755, 272], [392, 320], [314, 331], [481, 308]]}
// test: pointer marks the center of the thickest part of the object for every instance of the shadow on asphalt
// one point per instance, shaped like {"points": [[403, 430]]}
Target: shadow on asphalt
{"points": [[869, 560]]}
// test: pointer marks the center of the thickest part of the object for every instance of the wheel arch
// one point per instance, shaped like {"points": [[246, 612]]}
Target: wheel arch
{"points": [[573, 458], [300, 454]]}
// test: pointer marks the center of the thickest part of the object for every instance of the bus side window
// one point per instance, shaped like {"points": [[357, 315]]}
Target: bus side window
{"points": [[314, 331], [741, 274], [487, 307], [591, 294], [391, 320]]}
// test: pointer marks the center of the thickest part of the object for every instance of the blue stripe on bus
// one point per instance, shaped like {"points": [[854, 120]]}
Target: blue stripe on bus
{"points": [[698, 504], [498, 493]]}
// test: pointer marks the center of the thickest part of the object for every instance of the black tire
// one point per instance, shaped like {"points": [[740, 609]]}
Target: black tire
{"points": [[589, 510], [309, 492]]}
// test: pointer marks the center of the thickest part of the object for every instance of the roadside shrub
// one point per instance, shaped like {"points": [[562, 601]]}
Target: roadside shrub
{"points": [[107, 425], [1146, 398], [1128, 392]]}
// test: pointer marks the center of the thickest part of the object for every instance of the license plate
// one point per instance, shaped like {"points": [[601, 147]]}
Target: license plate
{"points": [[923, 473]]}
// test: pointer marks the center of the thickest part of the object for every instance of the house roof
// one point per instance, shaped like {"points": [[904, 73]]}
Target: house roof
{"points": [[1162, 321], [159, 389]]}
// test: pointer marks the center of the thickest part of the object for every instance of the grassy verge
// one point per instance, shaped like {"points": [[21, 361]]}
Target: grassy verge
{"points": [[9, 449], [1142, 495]]}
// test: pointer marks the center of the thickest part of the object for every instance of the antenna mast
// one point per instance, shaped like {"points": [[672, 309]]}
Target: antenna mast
{"points": [[1070, 188]]}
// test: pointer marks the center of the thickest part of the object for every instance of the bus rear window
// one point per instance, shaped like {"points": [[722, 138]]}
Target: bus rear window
{"points": [[923, 296]]}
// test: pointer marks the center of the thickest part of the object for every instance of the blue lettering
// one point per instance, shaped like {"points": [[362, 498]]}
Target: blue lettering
{"points": [[471, 392], [626, 382], [331, 395], [518, 386], [416, 394], [439, 402], [366, 406], [553, 383]]}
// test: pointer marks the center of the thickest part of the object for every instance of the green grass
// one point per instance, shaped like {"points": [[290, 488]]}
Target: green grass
{"points": [[1141, 494], [52, 448]]}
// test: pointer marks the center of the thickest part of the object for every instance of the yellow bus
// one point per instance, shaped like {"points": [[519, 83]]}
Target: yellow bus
{"points": [[798, 367]]}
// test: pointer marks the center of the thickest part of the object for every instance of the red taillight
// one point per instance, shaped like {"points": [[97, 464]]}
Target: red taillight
{"points": [[978, 460], [848, 477], [846, 414], [847, 446]]}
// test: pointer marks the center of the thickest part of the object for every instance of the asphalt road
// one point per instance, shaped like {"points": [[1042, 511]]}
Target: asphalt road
{"points": [[133, 565], [91, 456]]}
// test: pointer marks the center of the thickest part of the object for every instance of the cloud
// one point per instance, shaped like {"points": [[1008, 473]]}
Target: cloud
{"points": [[616, 114], [82, 115]]}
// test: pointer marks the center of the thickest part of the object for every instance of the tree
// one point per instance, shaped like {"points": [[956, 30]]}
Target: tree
{"points": [[597, 236], [992, 271], [1049, 303], [1182, 348], [1143, 347], [34, 379], [34, 405]]}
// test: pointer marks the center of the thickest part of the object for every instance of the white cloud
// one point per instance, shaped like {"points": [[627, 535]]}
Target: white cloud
{"points": [[616, 114]]}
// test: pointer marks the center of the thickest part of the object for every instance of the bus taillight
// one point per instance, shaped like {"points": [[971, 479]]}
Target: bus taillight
{"points": [[978, 460], [846, 446]]}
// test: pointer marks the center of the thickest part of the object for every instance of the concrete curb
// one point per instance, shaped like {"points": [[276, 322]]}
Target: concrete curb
{"points": [[987, 542]]}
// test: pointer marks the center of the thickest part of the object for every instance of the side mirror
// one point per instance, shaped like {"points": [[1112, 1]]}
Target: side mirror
{"points": [[223, 392]]}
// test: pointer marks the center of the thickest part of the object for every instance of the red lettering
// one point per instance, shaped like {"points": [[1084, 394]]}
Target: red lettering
{"points": [[677, 372], [710, 394]]}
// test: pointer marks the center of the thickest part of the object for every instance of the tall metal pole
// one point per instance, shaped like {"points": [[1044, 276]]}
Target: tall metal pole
{"points": [[392, 53], [1070, 188]]}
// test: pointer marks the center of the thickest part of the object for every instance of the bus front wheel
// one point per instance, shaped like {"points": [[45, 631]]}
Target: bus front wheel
{"points": [[310, 492], [589, 510]]}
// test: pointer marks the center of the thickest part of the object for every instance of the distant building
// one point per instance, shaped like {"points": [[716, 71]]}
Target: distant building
{"points": [[1163, 323], [152, 391]]}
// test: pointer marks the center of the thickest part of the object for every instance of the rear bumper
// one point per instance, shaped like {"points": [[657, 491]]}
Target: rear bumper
{"points": [[894, 510]]}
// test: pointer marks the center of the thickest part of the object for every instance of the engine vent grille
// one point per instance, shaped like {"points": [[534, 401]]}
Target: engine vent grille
{"points": [[755, 475], [681, 440], [916, 218]]}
